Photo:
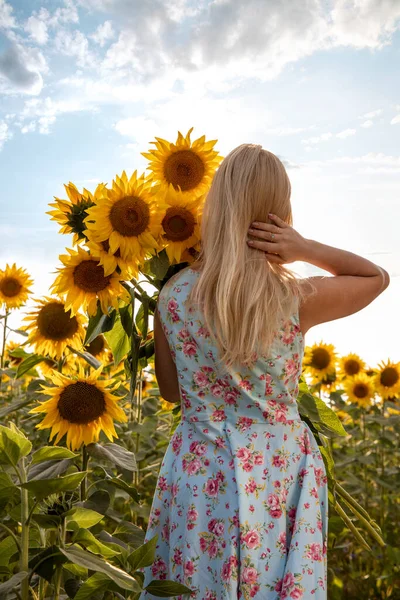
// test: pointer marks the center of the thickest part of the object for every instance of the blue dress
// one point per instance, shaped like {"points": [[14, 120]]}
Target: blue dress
{"points": [[241, 505]]}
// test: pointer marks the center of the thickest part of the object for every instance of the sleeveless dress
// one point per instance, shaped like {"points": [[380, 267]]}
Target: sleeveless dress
{"points": [[241, 502]]}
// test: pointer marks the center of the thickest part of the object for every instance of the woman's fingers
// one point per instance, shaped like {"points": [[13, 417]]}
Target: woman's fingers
{"points": [[265, 227], [278, 221], [265, 246]]}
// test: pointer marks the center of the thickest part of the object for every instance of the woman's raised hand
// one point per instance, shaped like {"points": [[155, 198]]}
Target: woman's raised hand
{"points": [[279, 241]]}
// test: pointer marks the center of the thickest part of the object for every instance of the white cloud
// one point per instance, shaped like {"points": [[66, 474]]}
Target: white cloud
{"points": [[345, 133], [367, 124], [7, 20], [36, 26], [364, 23], [317, 139], [39, 114], [283, 131], [103, 33], [372, 114], [66, 14], [75, 44], [21, 70], [4, 133], [395, 120]]}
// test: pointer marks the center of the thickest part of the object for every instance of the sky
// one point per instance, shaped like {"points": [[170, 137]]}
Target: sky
{"points": [[85, 85]]}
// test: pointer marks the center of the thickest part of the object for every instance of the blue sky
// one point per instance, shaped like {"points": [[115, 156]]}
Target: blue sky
{"points": [[85, 85]]}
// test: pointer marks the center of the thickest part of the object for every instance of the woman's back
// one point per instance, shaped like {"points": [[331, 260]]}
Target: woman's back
{"points": [[240, 506]]}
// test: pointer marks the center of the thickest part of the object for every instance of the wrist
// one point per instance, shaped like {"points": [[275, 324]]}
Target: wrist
{"points": [[308, 250]]}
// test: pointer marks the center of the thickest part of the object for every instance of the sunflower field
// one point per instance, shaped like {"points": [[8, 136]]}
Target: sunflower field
{"points": [[83, 426]]}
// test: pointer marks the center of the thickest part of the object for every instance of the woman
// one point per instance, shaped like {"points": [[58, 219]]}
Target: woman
{"points": [[241, 503]]}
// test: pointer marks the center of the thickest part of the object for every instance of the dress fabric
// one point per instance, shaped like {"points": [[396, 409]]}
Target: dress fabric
{"points": [[241, 502]]}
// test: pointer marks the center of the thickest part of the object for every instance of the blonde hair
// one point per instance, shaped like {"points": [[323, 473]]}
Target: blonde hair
{"points": [[243, 297]]}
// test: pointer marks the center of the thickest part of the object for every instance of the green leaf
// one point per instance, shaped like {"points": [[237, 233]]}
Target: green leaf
{"points": [[52, 453], [13, 406], [90, 359], [8, 547], [8, 586], [90, 561], [7, 489], [13, 445], [113, 453], [45, 562], [322, 417], [130, 533], [166, 588], [159, 264], [96, 583], [47, 521], [48, 469], [45, 487], [99, 323], [125, 313], [28, 363], [143, 556], [83, 517], [99, 501], [87, 539], [118, 341], [132, 491]]}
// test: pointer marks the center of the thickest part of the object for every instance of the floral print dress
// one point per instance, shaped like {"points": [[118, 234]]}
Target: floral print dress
{"points": [[241, 504]]}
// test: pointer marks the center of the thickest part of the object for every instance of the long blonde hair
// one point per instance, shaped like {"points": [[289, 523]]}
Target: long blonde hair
{"points": [[244, 298]]}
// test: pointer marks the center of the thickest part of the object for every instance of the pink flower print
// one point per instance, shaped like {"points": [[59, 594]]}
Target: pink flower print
{"points": [[287, 583], [252, 539], [192, 514], [198, 448], [217, 390], [314, 552], [212, 487], [200, 379], [274, 506], [203, 331], [280, 415], [291, 368], [174, 490], [159, 569], [165, 532], [218, 415], [288, 337], [193, 467], [189, 568], [177, 443], [244, 423], [172, 305], [162, 483], [245, 384], [320, 477], [249, 575], [250, 486], [213, 548], [314, 492], [220, 476], [254, 590], [306, 505], [203, 544], [319, 524], [230, 398], [243, 453], [226, 571], [258, 459], [279, 461], [305, 446], [247, 466], [282, 540], [296, 593], [217, 527], [189, 348], [292, 513], [177, 558]]}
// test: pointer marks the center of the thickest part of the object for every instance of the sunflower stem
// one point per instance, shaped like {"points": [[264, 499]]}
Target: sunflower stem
{"points": [[24, 557], [3, 347], [85, 460]]}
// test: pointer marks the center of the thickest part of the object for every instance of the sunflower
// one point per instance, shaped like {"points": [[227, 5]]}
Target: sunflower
{"points": [[14, 353], [70, 214], [320, 360], [165, 405], [128, 219], [187, 166], [180, 224], [359, 389], [387, 380], [329, 382], [52, 328], [14, 286], [82, 281], [69, 365], [344, 417], [99, 349], [351, 365], [109, 260], [80, 407]]}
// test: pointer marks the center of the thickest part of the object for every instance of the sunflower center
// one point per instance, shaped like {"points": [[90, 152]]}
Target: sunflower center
{"points": [[360, 390], [106, 248], [178, 224], [96, 346], [185, 169], [130, 216], [81, 403], [77, 216], [389, 377], [54, 323], [89, 276], [351, 367], [10, 287], [320, 358]]}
